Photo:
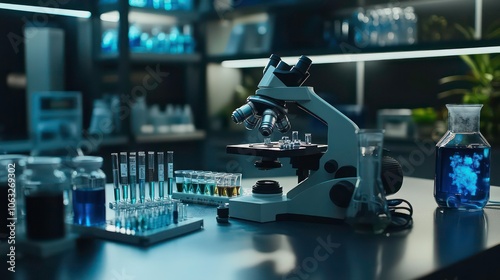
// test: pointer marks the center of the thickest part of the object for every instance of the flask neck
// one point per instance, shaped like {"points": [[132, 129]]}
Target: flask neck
{"points": [[464, 118]]}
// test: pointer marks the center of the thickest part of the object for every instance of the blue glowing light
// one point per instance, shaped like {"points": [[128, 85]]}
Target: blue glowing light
{"points": [[465, 172]]}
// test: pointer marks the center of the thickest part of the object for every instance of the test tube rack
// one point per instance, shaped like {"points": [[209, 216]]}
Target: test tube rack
{"points": [[200, 198], [142, 238]]}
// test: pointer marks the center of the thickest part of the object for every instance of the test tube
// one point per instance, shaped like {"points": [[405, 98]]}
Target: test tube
{"points": [[132, 161], [151, 172], [161, 175], [295, 136], [142, 176], [170, 172], [116, 176], [124, 175]]}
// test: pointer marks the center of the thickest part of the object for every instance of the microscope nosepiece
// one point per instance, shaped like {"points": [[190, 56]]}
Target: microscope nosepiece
{"points": [[240, 114], [268, 120]]}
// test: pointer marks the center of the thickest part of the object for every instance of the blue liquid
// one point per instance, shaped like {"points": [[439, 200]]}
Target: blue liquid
{"points": [[89, 206], [462, 177]]}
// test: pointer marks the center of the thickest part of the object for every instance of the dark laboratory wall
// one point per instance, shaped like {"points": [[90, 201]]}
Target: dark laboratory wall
{"points": [[13, 120], [410, 83]]}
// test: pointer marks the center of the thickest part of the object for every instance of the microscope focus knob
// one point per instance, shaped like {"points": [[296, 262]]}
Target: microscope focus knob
{"points": [[331, 166], [341, 193]]}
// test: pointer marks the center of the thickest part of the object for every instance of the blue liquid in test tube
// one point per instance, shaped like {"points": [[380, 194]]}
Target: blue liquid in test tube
{"points": [[161, 175], [124, 175], [142, 177], [133, 177], [151, 171]]}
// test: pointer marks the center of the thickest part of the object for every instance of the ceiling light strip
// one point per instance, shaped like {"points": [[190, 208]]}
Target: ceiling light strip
{"points": [[359, 57], [46, 10]]}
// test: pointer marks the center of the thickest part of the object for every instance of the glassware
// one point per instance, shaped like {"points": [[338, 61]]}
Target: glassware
{"points": [[462, 178], [44, 183], [88, 181], [368, 211]]}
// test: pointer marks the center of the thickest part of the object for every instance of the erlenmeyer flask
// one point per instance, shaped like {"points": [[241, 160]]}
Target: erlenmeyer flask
{"points": [[368, 211], [462, 178]]}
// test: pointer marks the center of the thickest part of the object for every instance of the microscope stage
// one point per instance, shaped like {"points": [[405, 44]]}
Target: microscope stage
{"points": [[273, 150]]}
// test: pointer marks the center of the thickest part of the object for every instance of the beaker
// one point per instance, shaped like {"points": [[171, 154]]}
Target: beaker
{"points": [[462, 178], [368, 211]]}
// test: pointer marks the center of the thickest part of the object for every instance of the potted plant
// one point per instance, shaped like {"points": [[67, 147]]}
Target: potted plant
{"points": [[482, 86]]}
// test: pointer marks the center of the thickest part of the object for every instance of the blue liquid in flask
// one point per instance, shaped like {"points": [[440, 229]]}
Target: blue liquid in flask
{"points": [[89, 206], [462, 177]]}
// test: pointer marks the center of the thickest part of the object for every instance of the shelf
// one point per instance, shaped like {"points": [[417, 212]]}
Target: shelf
{"points": [[154, 57], [171, 137]]}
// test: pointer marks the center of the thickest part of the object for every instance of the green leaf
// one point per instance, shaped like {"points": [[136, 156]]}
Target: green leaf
{"points": [[457, 78], [475, 71], [448, 93]]}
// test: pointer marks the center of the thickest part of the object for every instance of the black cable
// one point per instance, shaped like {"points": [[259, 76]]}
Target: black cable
{"points": [[401, 216]]}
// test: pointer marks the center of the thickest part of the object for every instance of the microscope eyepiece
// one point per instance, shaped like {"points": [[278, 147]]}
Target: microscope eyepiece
{"points": [[268, 120], [283, 66], [274, 60], [303, 64], [245, 111]]}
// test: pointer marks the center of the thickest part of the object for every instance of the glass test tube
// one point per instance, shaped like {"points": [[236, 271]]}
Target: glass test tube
{"points": [[124, 175], [151, 172], [132, 161], [116, 176], [161, 175], [295, 136], [142, 176], [308, 139], [170, 172]]}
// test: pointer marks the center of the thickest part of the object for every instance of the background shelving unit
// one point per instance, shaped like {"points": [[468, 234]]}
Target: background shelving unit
{"points": [[123, 70]]}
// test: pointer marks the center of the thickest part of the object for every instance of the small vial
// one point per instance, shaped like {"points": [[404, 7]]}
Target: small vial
{"points": [[142, 176], [151, 172], [124, 175], [170, 172], [132, 162], [308, 139], [161, 175], [295, 136], [116, 176], [267, 141]]}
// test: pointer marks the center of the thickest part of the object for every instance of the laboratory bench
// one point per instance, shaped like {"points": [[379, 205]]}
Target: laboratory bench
{"points": [[440, 245]]}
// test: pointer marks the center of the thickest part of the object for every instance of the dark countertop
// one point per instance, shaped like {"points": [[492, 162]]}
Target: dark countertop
{"points": [[448, 244]]}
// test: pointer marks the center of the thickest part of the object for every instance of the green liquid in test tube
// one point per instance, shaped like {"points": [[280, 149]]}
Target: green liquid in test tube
{"points": [[124, 175]]}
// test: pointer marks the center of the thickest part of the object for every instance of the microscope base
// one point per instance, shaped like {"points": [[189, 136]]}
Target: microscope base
{"points": [[257, 209]]}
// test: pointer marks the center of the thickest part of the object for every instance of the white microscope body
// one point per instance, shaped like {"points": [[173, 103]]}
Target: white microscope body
{"points": [[314, 196]]}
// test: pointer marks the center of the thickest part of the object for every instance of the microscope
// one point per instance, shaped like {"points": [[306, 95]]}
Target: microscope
{"points": [[327, 174]]}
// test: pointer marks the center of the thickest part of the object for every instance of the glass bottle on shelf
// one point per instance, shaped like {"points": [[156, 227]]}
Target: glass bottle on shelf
{"points": [[189, 43], [462, 178], [368, 211]]}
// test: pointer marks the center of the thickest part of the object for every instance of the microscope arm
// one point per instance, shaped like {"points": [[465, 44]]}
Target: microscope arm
{"points": [[341, 135]]}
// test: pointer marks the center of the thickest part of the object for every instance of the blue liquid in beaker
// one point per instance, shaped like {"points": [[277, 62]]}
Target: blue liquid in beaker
{"points": [[462, 177], [89, 206]]}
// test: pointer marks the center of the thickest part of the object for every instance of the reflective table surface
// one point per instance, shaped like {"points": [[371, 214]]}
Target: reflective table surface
{"points": [[440, 245]]}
